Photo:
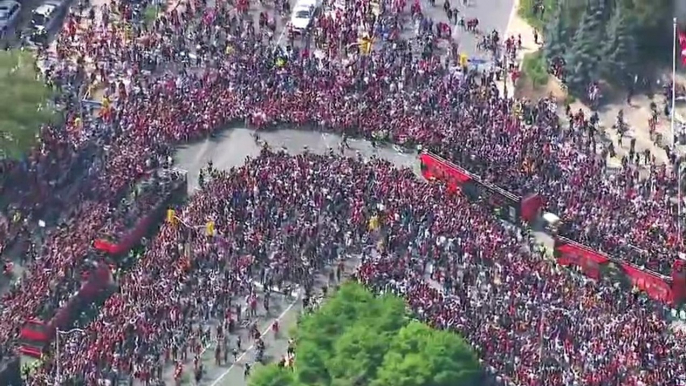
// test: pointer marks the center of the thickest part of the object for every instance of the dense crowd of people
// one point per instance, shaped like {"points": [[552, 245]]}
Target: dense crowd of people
{"points": [[628, 213], [289, 214], [624, 215], [193, 71]]}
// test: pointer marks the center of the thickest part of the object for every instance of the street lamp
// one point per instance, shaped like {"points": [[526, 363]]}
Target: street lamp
{"points": [[59, 332]]}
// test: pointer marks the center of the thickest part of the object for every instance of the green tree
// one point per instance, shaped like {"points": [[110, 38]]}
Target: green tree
{"points": [[584, 55], [620, 49], [358, 339], [272, 375], [652, 22], [556, 34], [420, 355], [24, 103]]}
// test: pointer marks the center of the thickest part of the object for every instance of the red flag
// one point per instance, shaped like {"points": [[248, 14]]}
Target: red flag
{"points": [[682, 44]]}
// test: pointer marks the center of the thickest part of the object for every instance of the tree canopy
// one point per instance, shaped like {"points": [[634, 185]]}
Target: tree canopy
{"points": [[357, 338], [24, 103], [609, 38]]}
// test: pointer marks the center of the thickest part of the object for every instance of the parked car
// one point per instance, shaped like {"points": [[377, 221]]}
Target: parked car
{"points": [[48, 15], [302, 17], [9, 16], [44, 20]]}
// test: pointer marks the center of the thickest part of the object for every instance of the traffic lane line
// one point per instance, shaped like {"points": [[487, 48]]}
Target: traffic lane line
{"points": [[266, 331]]}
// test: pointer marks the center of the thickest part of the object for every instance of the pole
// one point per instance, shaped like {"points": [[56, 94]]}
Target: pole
{"points": [[541, 330], [57, 354], [674, 54], [678, 210], [505, 75]]}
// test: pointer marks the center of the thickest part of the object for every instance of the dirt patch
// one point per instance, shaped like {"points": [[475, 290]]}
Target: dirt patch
{"points": [[526, 89]]}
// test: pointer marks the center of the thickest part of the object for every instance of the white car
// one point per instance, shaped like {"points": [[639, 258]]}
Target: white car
{"points": [[302, 17]]}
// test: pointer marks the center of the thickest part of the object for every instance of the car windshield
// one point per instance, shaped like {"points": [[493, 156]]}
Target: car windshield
{"points": [[39, 19], [302, 14]]}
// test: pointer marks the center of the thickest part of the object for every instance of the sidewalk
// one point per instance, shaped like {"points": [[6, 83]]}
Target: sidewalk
{"points": [[636, 115], [517, 26]]}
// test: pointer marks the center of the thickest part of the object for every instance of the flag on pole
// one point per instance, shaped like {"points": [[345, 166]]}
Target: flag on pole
{"points": [[682, 44]]}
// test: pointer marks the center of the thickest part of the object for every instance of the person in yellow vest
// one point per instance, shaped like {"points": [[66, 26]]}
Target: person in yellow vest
{"points": [[373, 223], [365, 44], [209, 228], [171, 216], [464, 60]]}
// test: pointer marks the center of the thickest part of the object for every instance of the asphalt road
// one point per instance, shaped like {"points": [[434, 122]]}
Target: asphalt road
{"points": [[229, 149], [492, 15]]}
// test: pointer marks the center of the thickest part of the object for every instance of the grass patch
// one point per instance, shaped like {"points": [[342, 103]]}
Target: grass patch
{"points": [[25, 103], [535, 69], [526, 12]]}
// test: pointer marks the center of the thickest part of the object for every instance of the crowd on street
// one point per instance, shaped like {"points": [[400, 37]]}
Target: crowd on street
{"points": [[286, 215], [407, 93], [196, 69]]}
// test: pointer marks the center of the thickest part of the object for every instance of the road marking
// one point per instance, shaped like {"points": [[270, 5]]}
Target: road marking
{"points": [[202, 153], [283, 32], [265, 332]]}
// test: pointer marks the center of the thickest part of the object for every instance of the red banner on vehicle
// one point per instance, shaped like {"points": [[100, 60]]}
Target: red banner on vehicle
{"points": [[434, 167], [569, 252], [651, 283]]}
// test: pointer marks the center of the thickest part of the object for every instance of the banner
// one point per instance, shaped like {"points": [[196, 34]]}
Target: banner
{"points": [[651, 283], [434, 167], [569, 252]]}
